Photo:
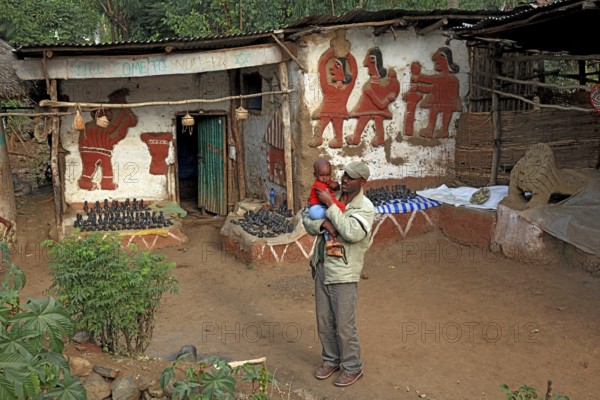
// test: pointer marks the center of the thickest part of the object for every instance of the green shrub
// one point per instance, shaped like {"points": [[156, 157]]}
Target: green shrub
{"points": [[215, 379], [113, 292], [31, 343], [527, 393]]}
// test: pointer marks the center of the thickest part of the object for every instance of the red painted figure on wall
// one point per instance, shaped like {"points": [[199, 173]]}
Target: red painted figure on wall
{"points": [[337, 77], [441, 93], [158, 145], [96, 144], [377, 94], [412, 98]]}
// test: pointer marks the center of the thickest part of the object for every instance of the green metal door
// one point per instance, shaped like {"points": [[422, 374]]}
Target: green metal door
{"points": [[211, 165]]}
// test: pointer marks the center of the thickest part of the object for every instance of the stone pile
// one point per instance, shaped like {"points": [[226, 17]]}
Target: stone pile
{"points": [[106, 383]]}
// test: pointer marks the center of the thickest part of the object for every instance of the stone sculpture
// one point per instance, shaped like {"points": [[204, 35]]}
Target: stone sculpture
{"points": [[536, 173]]}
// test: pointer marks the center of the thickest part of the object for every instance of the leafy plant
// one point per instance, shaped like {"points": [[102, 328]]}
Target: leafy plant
{"points": [[31, 342], [527, 393], [112, 292], [215, 379], [260, 378]]}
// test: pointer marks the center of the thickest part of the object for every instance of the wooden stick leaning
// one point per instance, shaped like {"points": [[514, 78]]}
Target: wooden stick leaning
{"points": [[234, 364]]}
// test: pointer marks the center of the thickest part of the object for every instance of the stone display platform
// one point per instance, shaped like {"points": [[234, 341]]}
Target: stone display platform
{"points": [[465, 225], [145, 239]]}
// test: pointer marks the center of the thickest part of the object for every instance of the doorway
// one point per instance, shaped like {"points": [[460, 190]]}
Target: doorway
{"points": [[201, 164]]}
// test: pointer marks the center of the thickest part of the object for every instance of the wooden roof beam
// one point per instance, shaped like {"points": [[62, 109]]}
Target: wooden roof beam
{"points": [[382, 29], [436, 25]]}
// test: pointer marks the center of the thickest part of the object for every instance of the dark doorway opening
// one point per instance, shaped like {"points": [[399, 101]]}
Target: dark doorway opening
{"points": [[187, 164]]}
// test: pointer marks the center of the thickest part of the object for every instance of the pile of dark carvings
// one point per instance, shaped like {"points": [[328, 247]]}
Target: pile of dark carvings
{"points": [[266, 223], [119, 216], [390, 195]]}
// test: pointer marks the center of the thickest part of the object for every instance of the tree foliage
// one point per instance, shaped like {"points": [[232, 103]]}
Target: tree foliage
{"points": [[82, 21], [47, 21]]}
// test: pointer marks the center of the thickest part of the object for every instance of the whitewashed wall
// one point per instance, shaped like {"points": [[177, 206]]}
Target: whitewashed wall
{"points": [[254, 130], [131, 159], [405, 156]]}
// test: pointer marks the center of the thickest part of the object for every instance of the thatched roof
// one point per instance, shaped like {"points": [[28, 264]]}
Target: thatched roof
{"points": [[11, 87]]}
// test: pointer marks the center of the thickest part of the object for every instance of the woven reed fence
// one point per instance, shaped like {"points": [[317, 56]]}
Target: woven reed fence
{"points": [[574, 137]]}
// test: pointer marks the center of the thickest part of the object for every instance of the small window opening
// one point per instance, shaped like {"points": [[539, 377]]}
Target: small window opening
{"points": [[252, 85]]}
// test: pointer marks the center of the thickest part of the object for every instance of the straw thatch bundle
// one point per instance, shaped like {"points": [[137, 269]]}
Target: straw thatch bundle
{"points": [[11, 87]]}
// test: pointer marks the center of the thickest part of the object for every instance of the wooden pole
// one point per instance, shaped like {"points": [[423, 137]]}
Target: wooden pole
{"points": [[237, 136], [55, 103], [287, 135], [289, 53], [538, 84], [8, 207], [523, 99], [432, 27], [495, 127], [30, 115], [54, 166]]}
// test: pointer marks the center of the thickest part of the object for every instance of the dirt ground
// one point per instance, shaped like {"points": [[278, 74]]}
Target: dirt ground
{"points": [[435, 319]]}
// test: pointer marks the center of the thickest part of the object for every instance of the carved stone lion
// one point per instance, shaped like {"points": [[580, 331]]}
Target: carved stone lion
{"points": [[536, 173]]}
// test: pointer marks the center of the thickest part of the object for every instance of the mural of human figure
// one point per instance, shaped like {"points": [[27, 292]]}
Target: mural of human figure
{"points": [[441, 92], [158, 145], [96, 143], [337, 77], [377, 94], [412, 98]]}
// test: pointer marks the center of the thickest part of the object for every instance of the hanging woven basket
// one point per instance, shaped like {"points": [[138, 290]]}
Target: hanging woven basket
{"points": [[78, 121], [241, 113], [187, 120], [102, 121]]}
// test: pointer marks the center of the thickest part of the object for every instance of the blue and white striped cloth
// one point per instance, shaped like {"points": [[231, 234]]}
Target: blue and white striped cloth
{"points": [[400, 207]]}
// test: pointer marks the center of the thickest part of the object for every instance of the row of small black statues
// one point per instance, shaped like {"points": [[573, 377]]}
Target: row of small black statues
{"points": [[390, 194], [275, 221], [119, 216], [266, 222]]}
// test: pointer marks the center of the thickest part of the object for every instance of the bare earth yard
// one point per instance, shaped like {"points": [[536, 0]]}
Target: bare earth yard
{"points": [[434, 317]]}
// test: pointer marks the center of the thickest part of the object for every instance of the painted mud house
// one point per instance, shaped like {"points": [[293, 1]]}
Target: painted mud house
{"points": [[423, 97], [385, 87]]}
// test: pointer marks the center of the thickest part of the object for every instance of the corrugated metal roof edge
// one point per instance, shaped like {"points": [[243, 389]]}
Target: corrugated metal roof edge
{"points": [[355, 16], [358, 16], [144, 43], [519, 14]]}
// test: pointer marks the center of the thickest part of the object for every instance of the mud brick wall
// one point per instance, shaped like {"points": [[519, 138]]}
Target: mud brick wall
{"points": [[574, 137]]}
